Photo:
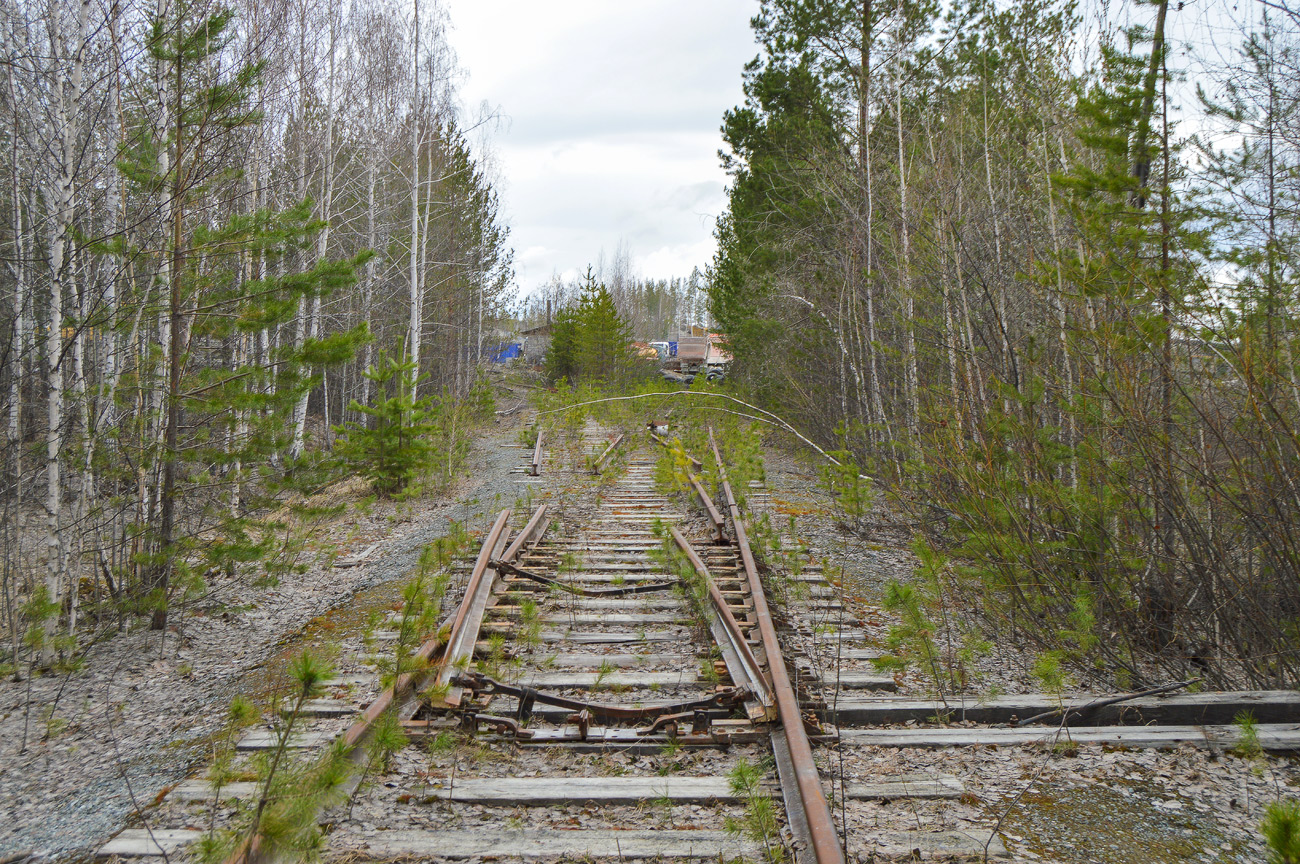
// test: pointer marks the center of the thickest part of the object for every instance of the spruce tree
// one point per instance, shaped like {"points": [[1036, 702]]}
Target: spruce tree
{"points": [[562, 355], [590, 342], [604, 338], [394, 448]]}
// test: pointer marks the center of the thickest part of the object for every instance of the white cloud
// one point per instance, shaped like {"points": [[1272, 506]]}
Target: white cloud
{"points": [[677, 260], [613, 112]]}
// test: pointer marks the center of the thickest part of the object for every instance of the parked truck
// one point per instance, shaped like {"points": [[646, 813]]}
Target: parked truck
{"points": [[695, 355]]}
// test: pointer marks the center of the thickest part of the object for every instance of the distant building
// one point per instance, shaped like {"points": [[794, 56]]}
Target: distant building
{"points": [[536, 342]]}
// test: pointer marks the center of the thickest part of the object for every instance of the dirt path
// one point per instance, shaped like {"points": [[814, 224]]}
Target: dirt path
{"points": [[136, 717]]}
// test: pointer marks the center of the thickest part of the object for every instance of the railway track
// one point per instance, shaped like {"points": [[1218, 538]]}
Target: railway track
{"points": [[616, 683]]}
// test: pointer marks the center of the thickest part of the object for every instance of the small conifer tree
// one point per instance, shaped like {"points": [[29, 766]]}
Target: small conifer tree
{"points": [[1281, 829], [393, 448], [561, 357], [590, 343]]}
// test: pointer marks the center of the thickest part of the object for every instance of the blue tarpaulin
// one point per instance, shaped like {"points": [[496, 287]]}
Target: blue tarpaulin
{"points": [[502, 353]]}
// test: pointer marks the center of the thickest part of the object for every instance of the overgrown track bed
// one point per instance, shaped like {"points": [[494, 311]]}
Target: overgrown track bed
{"points": [[643, 687], [1164, 778], [598, 702]]}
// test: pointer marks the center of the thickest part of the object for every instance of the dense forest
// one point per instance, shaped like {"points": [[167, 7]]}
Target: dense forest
{"points": [[214, 219], [1057, 321]]}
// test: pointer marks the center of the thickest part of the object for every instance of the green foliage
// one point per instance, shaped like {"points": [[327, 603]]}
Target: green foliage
{"points": [[741, 446], [393, 449], [479, 402], [407, 441], [1247, 746], [590, 343], [242, 712], [850, 490], [422, 600], [221, 437], [386, 738], [309, 671], [292, 791], [1094, 411], [442, 743], [760, 822], [1281, 830], [39, 611], [562, 356], [1047, 669], [299, 792], [913, 638], [673, 469]]}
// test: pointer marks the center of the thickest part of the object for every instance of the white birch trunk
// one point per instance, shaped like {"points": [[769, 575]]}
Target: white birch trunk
{"points": [[1000, 295], [151, 480], [67, 89], [368, 291], [1067, 371], [910, 382], [417, 311], [304, 322], [22, 327], [21, 339]]}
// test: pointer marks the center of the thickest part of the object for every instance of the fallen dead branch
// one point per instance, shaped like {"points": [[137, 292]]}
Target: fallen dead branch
{"points": [[766, 416], [1102, 703]]}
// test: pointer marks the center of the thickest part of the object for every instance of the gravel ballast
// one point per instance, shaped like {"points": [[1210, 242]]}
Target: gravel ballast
{"points": [[137, 716]]}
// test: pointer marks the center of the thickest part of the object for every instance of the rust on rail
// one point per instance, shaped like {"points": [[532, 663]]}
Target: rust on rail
{"points": [[251, 848], [742, 665], [599, 464], [527, 696], [816, 811], [535, 467], [617, 591], [469, 617], [715, 516]]}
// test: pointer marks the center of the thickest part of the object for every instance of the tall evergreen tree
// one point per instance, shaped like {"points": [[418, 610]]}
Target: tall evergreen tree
{"points": [[604, 339], [590, 341], [230, 405]]}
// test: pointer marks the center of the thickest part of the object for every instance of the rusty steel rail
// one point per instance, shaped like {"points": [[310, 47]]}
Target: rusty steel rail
{"points": [[535, 467], [469, 617], [658, 439], [529, 530], [791, 745], [609, 451], [251, 848], [724, 699], [715, 515], [620, 591], [741, 663]]}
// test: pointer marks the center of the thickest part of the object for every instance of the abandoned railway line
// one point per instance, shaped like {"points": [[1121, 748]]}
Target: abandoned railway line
{"points": [[623, 677]]}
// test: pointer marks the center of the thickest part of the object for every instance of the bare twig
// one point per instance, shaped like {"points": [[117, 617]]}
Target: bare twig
{"points": [[1102, 703], [997, 827], [767, 416]]}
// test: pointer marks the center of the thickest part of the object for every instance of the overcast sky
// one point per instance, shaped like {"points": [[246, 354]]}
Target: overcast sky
{"points": [[611, 115]]}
